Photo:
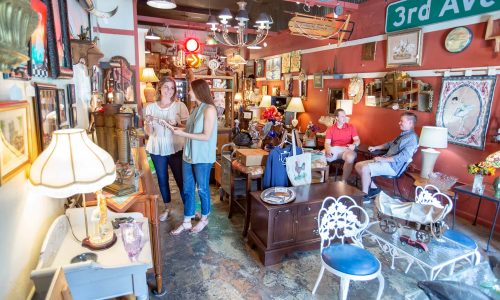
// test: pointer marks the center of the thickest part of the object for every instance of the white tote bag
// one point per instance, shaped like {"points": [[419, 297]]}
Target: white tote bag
{"points": [[298, 167]]}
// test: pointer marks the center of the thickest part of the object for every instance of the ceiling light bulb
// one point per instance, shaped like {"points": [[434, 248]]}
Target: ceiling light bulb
{"points": [[162, 4]]}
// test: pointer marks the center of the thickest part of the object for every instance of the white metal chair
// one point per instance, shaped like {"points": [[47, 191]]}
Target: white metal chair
{"points": [[337, 222]]}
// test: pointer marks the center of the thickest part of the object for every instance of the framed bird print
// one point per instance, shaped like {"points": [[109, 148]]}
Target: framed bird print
{"points": [[464, 108]]}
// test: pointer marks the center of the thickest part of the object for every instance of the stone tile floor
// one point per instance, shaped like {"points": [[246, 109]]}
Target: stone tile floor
{"points": [[217, 264]]}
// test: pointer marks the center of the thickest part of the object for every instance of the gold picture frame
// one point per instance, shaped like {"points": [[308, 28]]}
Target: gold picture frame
{"points": [[295, 61], [15, 137], [285, 63]]}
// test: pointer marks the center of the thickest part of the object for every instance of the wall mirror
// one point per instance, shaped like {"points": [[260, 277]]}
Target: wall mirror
{"points": [[119, 80], [397, 90]]}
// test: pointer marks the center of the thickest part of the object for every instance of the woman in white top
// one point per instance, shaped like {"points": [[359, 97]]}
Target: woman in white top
{"points": [[164, 147]]}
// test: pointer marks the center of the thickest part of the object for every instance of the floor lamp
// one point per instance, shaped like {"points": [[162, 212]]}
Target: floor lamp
{"points": [[73, 164]]}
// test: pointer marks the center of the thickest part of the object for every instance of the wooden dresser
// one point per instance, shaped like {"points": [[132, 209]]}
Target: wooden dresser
{"points": [[277, 230]]}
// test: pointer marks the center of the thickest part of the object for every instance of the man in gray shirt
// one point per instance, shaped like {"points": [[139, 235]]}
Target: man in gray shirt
{"points": [[401, 151]]}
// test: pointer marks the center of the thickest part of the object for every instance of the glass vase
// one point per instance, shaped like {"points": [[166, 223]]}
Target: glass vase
{"points": [[496, 187], [477, 185], [133, 239]]}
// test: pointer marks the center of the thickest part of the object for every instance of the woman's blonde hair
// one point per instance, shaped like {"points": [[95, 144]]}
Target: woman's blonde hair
{"points": [[162, 81]]}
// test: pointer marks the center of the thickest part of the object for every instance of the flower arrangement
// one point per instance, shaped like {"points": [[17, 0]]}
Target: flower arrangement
{"points": [[483, 168], [494, 160], [311, 129], [272, 114]]}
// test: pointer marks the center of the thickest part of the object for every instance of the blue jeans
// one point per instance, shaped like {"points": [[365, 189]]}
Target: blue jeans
{"points": [[161, 163], [196, 174]]}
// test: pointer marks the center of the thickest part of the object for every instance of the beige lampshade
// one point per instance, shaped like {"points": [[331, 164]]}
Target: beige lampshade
{"points": [[295, 105], [266, 101], [346, 105], [236, 60], [148, 75], [238, 97], [71, 164], [434, 137]]}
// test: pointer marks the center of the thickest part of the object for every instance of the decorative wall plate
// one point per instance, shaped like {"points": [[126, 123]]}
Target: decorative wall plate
{"points": [[356, 89], [458, 39], [213, 64]]}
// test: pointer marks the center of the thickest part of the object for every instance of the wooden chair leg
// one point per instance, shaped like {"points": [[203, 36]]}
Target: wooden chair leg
{"points": [[247, 210]]}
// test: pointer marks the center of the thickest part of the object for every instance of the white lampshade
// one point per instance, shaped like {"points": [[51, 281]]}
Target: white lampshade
{"points": [[162, 4], [346, 105], [71, 164], [295, 105], [266, 101], [238, 97], [434, 137]]}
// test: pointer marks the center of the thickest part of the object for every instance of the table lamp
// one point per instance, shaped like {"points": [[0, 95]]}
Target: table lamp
{"points": [[346, 105], [295, 106], [148, 75], [73, 164], [431, 137], [265, 102]]}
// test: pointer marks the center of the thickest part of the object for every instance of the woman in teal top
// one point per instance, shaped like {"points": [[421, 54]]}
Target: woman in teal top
{"points": [[199, 155]]}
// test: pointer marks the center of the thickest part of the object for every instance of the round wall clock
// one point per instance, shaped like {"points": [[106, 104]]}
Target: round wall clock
{"points": [[356, 89], [458, 39]]}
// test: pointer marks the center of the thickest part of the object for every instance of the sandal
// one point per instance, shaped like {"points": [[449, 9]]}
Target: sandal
{"points": [[164, 215], [185, 226], [199, 227]]}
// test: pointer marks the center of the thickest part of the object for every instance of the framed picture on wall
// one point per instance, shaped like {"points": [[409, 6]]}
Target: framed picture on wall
{"points": [[318, 80], [38, 44], [45, 113], [285, 63], [295, 61], [63, 112], [73, 118], [334, 94], [249, 67], [264, 90], [259, 68], [14, 123], [58, 39], [273, 68], [153, 61], [368, 51], [405, 48], [464, 108]]}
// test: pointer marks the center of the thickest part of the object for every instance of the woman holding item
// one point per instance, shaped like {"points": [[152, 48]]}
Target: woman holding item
{"points": [[164, 147], [199, 155]]}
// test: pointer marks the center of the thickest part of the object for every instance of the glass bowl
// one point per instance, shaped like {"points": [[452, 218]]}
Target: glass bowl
{"points": [[442, 181]]}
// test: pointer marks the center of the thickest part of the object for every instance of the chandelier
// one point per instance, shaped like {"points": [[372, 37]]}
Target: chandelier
{"points": [[262, 24]]}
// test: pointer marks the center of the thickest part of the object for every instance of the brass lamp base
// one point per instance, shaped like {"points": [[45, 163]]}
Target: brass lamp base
{"points": [[149, 93], [100, 246]]}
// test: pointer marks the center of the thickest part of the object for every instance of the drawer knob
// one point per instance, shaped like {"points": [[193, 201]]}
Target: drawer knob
{"points": [[315, 218], [316, 232], [308, 208]]}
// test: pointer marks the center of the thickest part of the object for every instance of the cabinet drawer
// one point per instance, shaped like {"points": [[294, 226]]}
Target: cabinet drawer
{"points": [[307, 210], [283, 226], [307, 228]]}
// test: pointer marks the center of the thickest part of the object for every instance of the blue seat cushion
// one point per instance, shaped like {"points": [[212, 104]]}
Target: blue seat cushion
{"points": [[350, 259], [460, 238]]}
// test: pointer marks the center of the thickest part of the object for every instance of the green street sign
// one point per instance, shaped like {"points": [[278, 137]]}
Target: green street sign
{"points": [[416, 13]]}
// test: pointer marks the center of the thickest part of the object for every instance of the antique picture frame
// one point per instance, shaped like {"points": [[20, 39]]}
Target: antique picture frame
{"points": [[275, 90], [16, 138], [405, 48], [58, 39], [285, 63], [465, 107], [318, 80], [249, 68], [73, 113], [368, 51], [260, 68], [273, 68], [45, 106], [63, 112], [302, 85], [264, 90], [247, 115], [39, 61], [153, 61], [295, 61], [334, 94]]}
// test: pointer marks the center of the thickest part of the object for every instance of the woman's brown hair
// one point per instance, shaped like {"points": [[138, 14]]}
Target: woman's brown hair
{"points": [[202, 91], [162, 81]]}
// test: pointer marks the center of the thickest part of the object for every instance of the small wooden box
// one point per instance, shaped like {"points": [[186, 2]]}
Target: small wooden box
{"points": [[252, 157]]}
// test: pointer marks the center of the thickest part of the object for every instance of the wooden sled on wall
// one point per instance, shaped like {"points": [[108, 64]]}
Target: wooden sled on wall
{"points": [[321, 28]]}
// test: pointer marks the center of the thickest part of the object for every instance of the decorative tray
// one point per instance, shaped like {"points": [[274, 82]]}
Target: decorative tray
{"points": [[278, 195]]}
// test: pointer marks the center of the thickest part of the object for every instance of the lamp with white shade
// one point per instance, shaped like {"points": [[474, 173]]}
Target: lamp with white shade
{"points": [[345, 105], [265, 102], [295, 106], [431, 137], [73, 164]]}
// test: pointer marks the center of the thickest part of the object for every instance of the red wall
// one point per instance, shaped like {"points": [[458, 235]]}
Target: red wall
{"points": [[377, 125]]}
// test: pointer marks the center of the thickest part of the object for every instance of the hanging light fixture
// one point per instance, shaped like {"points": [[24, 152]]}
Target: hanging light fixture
{"points": [[151, 35], [262, 24], [162, 4]]}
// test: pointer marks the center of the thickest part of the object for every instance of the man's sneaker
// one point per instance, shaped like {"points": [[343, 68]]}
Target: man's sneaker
{"points": [[372, 193], [366, 199]]}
